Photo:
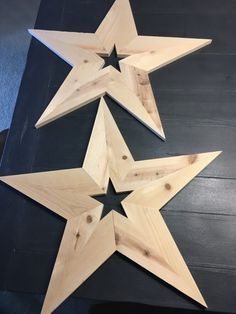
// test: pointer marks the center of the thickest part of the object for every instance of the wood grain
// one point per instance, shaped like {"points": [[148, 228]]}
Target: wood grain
{"points": [[144, 54], [76, 93], [143, 236]]}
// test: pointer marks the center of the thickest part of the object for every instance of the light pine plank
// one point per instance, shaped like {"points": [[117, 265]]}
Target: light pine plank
{"points": [[76, 93], [144, 172], [159, 51], [75, 78], [139, 83], [96, 158], [65, 192], [145, 239], [75, 261], [74, 48], [159, 192], [119, 156], [118, 27]]}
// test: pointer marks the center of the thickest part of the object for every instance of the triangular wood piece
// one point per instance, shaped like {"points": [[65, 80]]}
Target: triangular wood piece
{"points": [[65, 192], [120, 159], [75, 261], [150, 53], [164, 173], [96, 159], [145, 239], [157, 253], [89, 241], [118, 27], [74, 48]]}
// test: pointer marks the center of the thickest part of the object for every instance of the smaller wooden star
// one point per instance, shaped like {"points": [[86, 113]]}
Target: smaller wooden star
{"points": [[132, 90], [142, 236]]}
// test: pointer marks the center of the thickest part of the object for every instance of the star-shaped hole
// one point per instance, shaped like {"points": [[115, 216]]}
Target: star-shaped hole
{"points": [[112, 60], [112, 200]]}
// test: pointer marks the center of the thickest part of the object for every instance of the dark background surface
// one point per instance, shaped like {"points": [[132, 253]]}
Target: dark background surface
{"points": [[196, 100]]}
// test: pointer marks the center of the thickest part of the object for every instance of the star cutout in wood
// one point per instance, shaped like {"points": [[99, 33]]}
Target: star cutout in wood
{"points": [[142, 236], [144, 54]]}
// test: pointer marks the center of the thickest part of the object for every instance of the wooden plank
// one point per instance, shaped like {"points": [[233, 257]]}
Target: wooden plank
{"points": [[77, 261], [66, 46], [130, 102], [192, 137], [73, 95], [159, 192], [159, 51], [119, 157], [162, 259], [65, 192], [77, 95], [118, 27], [140, 84], [202, 136], [96, 159], [75, 78], [143, 172]]}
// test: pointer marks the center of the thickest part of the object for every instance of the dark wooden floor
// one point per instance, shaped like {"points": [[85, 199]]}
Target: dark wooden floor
{"points": [[196, 99]]}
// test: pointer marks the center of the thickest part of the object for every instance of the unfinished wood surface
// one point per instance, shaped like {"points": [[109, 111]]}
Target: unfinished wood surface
{"points": [[144, 55], [138, 81], [75, 93], [146, 240], [142, 236], [118, 27], [75, 263], [74, 48], [63, 191], [116, 30], [163, 50]]}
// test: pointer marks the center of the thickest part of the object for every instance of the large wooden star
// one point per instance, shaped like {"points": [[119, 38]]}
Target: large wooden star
{"points": [[144, 54], [142, 236]]}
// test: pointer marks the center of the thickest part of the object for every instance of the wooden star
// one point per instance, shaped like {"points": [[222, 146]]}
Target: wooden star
{"points": [[142, 236], [144, 54]]}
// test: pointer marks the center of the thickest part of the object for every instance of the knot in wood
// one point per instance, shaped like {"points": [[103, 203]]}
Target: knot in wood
{"points": [[146, 253], [117, 238], [89, 219], [167, 186], [192, 158]]}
